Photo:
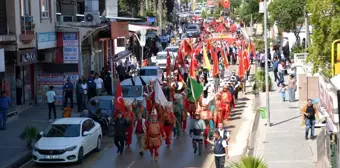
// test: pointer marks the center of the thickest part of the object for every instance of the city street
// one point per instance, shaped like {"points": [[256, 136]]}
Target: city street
{"points": [[180, 154]]}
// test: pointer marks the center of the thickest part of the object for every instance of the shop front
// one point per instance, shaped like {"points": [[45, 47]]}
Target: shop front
{"points": [[24, 73]]}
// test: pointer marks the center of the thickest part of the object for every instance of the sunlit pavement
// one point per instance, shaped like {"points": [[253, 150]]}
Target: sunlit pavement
{"points": [[180, 154]]}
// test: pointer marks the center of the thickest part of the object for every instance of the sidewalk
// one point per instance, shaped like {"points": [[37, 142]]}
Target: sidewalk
{"points": [[283, 144], [12, 148]]}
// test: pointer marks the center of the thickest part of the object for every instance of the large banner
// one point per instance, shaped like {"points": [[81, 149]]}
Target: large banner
{"points": [[45, 80]]}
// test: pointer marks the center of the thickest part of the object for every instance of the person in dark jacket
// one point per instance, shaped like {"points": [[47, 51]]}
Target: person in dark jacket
{"points": [[108, 83], [220, 149], [121, 125], [79, 95], [91, 86]]}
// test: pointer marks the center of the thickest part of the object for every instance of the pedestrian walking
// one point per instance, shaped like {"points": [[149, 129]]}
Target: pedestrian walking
{"points": [[5, 102], [68, 92], [79, 95], [309, 114], [291, 88], [91, 86], [281, 70], [85, 99], [197, 128], [51, 98], [220, 149], [121, 125], [99, 84], [108, 83], [140, 131], [154, 132], [282, 91], [224, 133], [275, 69]]}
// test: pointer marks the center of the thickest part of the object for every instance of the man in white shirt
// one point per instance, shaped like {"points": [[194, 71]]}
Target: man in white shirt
{"points": [[99, 84], [51, 98], [220, 149], [223, 132]]}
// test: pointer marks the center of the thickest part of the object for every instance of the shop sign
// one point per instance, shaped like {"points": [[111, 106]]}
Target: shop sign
{"points": [[47, 40], [2, 60], [70, 48], [27, 56], [45, 80]]}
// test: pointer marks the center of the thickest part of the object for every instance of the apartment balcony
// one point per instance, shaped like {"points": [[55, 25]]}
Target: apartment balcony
{"points": [[27, 29]]}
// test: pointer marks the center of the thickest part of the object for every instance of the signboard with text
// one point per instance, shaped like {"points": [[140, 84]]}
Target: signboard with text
{"points": [[71, 48], [46, 40]]}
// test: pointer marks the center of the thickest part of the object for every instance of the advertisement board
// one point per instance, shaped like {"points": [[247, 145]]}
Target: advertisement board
{"points": [[45, 80], [71, 47]]}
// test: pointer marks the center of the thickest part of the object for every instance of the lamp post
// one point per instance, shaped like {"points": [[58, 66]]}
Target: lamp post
{"points": [[266, 61]]}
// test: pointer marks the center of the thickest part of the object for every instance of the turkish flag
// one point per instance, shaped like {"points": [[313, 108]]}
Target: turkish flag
{"points": [[119, 101], [226, 4], [215, 60], [225, 60]]}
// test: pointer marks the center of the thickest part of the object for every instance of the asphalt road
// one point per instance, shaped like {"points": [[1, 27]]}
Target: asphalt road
{"points": [[180, 154]]}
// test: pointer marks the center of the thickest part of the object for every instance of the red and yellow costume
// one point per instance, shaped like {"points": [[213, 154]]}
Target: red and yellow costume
{"points": [[219, 110], [154, 132], [226, 99], [130, 116], [168, 120]]}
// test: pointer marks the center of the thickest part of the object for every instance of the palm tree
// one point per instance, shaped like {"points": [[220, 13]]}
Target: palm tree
{"points": [[249, 162]]}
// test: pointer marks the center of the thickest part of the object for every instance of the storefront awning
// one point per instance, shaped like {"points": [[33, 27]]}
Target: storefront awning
{"points": [[136, 28], [122, 55]]}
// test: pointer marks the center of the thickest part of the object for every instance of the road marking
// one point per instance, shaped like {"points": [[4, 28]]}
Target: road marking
{"points": [[132, 163], [26, 164]]}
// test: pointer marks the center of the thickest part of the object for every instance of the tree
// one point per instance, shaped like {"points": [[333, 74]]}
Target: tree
{"points": [[203, 14], [234, 4], [249, 162], [325, 20], [288, 14], [250, 10]]}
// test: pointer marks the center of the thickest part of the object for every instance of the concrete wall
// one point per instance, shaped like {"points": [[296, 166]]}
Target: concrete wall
{"points": [[11, 12]]}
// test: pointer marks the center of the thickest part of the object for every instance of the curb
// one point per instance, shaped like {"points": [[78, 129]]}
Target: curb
{"points": [[20, 161]]}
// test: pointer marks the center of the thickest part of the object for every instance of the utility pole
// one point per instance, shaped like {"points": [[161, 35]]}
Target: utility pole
{"points": [[266, 61], [307, 41], [160, 14]]}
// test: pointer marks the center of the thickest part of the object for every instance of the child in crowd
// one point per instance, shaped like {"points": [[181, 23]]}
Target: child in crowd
{"points": [[283, 91]]}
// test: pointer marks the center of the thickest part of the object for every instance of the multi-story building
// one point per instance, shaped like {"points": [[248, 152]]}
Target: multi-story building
{"points": [[28, 38]]}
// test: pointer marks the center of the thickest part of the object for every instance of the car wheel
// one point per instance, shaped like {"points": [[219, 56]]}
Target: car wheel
{"points": [[80, 155], [99, 144]]}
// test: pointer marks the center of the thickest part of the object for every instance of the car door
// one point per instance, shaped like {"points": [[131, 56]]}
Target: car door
{"points": [[86, 141], [92, 135]]}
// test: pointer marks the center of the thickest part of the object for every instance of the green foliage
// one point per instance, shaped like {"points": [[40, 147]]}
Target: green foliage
{"points": [[333, 155], [259, 43], [203, 14], [297, 49], [288, 14], [149, 12], [29, 135], [234, 4], [325, 20], [249, 162], [261, 80], [217, 13], [250, 10]]}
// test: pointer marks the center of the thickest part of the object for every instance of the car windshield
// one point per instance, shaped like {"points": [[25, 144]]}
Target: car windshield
{"points": [[148, 72], [161, 56], [63, 130], [105, 104], [191, 28], [132, 91], [172, 49]]}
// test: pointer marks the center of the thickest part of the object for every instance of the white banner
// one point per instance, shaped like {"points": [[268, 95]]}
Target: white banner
{"points": [[2, 60]]}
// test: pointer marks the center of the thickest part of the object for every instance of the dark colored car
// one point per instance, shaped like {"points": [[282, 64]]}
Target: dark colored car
{"points": [[193, 31]]}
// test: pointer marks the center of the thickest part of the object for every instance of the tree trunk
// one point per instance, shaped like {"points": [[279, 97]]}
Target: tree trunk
{"points": [[160, 15], [146, 3], [142, 7], [155, 7]]}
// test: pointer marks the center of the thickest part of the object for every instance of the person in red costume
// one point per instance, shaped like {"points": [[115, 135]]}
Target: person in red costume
{"points": [[154, 132], [149, 106], [168, 120], [206, 116], [130, 117], [226, 98], [219, 110]]}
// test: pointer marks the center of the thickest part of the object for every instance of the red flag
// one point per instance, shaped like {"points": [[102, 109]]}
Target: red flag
{"points": [[241, 67], [192, 69], [215, 60], [209, 45], [246, 60], [168, 64], [119, 101], [220, 3], [187, 47], [226, 4], [223, 54], [180, 78]]}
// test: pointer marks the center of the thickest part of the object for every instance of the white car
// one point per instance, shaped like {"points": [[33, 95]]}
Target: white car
{"points": [[172, 49], [68, 140], [149, 72], [161, 59]]}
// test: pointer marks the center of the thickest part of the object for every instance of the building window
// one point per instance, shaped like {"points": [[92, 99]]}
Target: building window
{"points": [[25, 7], [120, 42], [45, 8]]}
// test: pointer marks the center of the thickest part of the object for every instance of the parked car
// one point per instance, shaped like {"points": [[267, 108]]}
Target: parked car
{"points": [[149, 72], [193, 31], [68, 140]]}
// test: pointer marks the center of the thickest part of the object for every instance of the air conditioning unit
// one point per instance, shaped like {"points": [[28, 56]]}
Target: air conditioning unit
{"points": [[92, 17], [66, 18]]}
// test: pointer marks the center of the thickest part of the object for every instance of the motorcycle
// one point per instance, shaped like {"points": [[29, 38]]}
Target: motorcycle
{"points": [[107, 124]]}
